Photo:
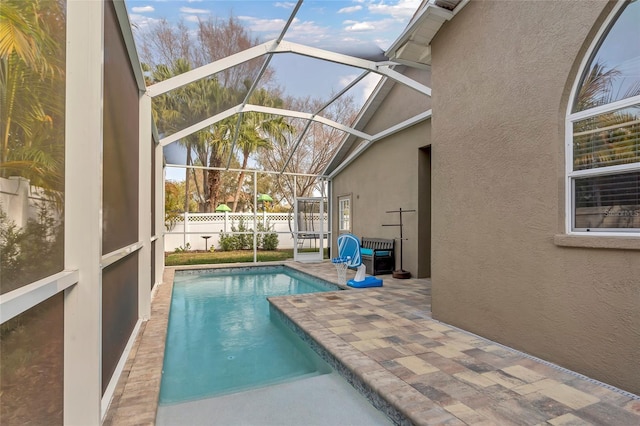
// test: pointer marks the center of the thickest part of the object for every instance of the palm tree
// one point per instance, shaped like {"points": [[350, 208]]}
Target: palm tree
{"points": [[258, 130], [32, 91], [605, 139], [212, 151], [208, 147], [184, 106], [208, 98], [168, 110], [33, 30]]}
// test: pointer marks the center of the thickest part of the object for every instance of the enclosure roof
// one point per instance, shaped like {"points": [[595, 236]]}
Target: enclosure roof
{"points": [[408, 50], [412, 49]]}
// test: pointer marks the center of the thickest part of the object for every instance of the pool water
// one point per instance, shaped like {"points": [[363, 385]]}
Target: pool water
{"points": [[221, 338]]}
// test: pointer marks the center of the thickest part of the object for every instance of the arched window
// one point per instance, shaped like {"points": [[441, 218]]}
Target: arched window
{"points": [[603, 132]]}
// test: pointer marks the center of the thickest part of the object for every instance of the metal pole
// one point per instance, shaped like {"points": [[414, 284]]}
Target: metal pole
{"points": [[401, 273], [255, 219]]}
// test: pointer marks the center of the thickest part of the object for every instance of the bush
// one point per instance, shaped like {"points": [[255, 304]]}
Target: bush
{"points": [[269, 240], [10, 262], [245, 241], [30, 253], [237, 241], [181, 249], [230, 242]]}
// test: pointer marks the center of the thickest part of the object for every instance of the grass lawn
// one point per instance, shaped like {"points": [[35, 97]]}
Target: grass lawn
{"points": [[203, 257], [238, 256]]}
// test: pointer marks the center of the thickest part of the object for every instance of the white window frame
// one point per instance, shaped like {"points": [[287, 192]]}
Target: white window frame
{"points": [[572, 175], [344, 199]]}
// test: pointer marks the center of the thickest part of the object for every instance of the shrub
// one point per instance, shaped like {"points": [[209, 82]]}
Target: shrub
{"points": [[30, 253], [237, 241], [269, 240], [244, 241], [228, 242], [10, 262], [181, 249]]}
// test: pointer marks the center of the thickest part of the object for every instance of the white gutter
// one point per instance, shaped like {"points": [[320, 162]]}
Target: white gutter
{"points": [[412, 39], [429, 10]]}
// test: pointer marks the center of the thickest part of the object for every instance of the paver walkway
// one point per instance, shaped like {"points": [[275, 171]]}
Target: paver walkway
{"points": [[414, 368]]}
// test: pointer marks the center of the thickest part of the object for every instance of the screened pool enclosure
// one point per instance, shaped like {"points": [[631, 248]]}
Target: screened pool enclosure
{"points": [[257, 140], [94, 119]]}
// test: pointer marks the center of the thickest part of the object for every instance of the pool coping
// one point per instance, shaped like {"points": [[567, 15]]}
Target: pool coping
{"points": [[357, 373], [135, 399]]}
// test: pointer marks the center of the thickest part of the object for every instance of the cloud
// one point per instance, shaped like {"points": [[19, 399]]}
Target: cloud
{"points": [[192, 18], [363, 89], [369, 84], [402, 10], [191, 10], [354, 26], [285, 4], [142, 9], [300, 31], [384, 31], [308, 32], [141, 21], [350, 9], [263, 25]]}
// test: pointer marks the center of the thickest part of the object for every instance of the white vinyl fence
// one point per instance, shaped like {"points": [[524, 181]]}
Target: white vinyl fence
{"points": [[21, 201], [190, 229]]}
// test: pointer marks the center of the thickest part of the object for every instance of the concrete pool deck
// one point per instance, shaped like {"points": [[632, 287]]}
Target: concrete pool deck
{"points": [[418, 370]]}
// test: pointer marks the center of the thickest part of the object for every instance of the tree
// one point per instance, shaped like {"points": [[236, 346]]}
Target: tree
{"points": [[259, 132], [185, 105], [272, 138], [605, 139], [163, 44], [314, 151], [32, 88], [218, 39]]}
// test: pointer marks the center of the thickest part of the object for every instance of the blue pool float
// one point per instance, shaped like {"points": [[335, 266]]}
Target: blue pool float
{"points": [[368, 281]]}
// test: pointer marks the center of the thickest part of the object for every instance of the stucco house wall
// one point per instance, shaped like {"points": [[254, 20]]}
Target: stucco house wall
{"points": [[383, 178], [501, 268]]}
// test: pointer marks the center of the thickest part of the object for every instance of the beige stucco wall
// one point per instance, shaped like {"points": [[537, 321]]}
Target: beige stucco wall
{"points": [[502, 72], [384, 177]]}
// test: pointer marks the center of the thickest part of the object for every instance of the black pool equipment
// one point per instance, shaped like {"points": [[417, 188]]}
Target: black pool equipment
{"points": [[400, 273]]}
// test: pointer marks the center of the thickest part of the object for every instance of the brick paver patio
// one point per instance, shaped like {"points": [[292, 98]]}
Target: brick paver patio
{"points": [[417, 370]]}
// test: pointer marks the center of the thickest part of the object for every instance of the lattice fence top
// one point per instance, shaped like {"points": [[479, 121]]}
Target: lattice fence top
{"points": [[278, 216], [247, 217], [204, 217]]}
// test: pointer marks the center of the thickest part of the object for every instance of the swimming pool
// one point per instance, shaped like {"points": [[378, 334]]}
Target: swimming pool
{"points": [[221, 338]]}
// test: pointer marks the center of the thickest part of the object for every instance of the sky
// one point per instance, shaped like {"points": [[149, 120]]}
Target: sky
{"points": [[621, 50], [362, 25], [330, 22]]}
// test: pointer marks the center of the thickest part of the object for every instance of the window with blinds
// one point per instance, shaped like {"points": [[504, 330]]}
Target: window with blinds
{"points": [[604, 132]]}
